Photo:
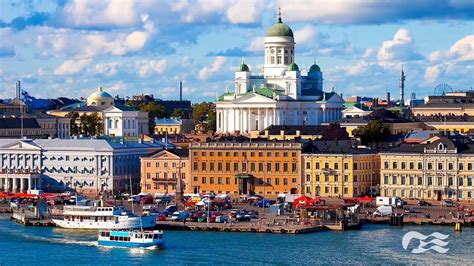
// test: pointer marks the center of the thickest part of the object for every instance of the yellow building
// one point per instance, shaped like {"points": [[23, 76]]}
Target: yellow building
{"points": [[435, 169], [173, 126], [461, 124], [452, 103], [339, 169], [288, 132]]}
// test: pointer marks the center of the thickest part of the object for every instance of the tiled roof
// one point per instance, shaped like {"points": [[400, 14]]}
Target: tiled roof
{"points": [[16, 123], [291, 129], [335, 147]]}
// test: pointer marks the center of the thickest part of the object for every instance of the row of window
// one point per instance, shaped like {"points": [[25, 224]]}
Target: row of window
{"points": [[243, 166], [227, 180], [165, 186], [165, 164], [336, 166], [429, 166], [418, 194], [165, 175], [363, 178], [246, 154], [404, 180]]}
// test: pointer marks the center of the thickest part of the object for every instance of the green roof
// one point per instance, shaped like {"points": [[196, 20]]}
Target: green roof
{"points": [[279, 29], [243, 67], [125, 107], [101, 94], [293, 67], [221, 97], [314, 68]]}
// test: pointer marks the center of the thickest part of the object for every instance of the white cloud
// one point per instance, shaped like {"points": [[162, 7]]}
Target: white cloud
{"points": [[460, 51], [244, 11], [216, 66], [146, 68], [401, 48], [70, 67], [432, 73]]}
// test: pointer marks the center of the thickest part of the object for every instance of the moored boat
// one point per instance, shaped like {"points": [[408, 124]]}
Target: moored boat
{"points": [[131, 238], [92, 217]]}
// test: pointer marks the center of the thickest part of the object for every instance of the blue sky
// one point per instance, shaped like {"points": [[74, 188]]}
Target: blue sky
{"points": [[69, 48]]}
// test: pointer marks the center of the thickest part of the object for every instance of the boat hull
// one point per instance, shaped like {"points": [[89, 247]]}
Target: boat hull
{"points": [[128, 223], [129, 244]]}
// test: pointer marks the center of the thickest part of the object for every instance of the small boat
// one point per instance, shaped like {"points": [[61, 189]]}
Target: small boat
{"points": [[131, 238]]}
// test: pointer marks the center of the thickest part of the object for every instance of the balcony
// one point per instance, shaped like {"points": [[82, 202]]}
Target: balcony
{"points": [[164, 180]]}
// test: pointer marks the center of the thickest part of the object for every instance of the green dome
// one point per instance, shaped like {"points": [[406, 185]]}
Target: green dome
{"points": [[101, 94], [243, 67], [314, 68], [293, 67], [279, 29]]}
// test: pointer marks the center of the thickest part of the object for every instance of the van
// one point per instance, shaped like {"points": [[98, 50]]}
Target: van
{"points": [[179, 216], [385, 210], [392, 201]]}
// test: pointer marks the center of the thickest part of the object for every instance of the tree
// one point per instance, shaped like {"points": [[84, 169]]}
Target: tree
{"points": [[91, 125], [374, 132], [154, 111], [205, 114], [75, 129], [178, 113]]}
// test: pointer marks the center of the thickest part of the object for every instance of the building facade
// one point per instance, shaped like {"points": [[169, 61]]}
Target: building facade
{"points": [[173, 126], [162, 170], [123, 121], [262, 168], [91, 166], [436, 169], [339, 169], [452, 103], [281, 95]]}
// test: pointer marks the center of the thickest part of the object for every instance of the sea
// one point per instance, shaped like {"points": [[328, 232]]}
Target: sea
{"points": [[374, 244]]}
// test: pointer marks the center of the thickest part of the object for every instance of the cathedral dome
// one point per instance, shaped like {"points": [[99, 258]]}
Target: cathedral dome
{"points": [[314, 68], [243, 67], [293, 67], [99, 98], [280, 29]]}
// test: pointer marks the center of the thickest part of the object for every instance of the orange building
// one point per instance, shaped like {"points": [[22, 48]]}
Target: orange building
{"points": [[262, 168], [160, 171]]}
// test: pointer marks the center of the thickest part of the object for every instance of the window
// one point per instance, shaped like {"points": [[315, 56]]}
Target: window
{"points": [[403, 179], [326, 165], [203, 153], [244, 167], [277, 181], [269, 167], [252, 167], [404, 165], [211, 180], [469, 166], [277, 167], [394, 165], [285, 181], [252, 154], [227, 167], [420, 180], [308, 177], [227, 180], [336, 178], [385, 179], [236, 154], [260, 167], [430, 180], [293, 167], [430, 166], [269, 181], [469, 181], [227, 154], [440, 166], [354, 166], [326, 189], [219, 166], [336, 190], [203, 180], [461, 166], [450, 181], [336, 165], [148, 175], [461, 181], [195, 166], [412, 165], [236, 166], [355, 178], [308, 165], [211, 154], [385, 165], [148, 164], [394, 180], [211, 166], [285, 167], [326, 178], [440, 181], [195, 153], [293, 180], [203, 166], [346, 190], [346, 178], [412, 180], [260, 154], [420, 165], [346, 166]]}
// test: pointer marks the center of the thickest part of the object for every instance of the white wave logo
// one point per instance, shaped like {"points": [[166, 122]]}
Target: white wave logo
{"points": [[436, 244]]}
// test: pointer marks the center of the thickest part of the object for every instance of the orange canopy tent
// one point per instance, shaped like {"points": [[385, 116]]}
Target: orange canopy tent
{"points": [[302, 201], [25, 195], [47, 196]]}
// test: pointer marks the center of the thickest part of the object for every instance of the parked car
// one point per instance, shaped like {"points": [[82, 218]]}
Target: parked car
{"points": [[424, 203], [222, 219], [163, 200], [161, 217], [252, 214], [450, 203], [135, 198], [146, 200], [242, 217], [179, 216], [170, 209]]}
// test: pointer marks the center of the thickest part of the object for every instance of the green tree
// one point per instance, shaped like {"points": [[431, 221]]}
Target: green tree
{"points": [[205, 114], [374, 132], [75, 129], [154, 111], [178, 113], [91, 125]]}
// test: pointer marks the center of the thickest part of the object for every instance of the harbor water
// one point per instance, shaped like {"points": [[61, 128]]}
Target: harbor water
{"points": [[374, 244]]}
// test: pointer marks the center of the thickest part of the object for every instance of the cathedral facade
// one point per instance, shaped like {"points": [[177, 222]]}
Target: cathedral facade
{"points": [[280, 95]]}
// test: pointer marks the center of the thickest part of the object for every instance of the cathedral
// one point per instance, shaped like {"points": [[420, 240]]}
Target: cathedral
{"points": [[280, 95]]}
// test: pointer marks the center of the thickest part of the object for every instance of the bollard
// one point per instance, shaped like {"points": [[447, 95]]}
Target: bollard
{"points": [[458, 227]]}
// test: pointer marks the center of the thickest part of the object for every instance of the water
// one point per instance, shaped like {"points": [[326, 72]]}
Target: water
{"points": [[375, 244]]}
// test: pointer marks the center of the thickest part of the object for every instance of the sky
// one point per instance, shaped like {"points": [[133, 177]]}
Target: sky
{"points": [[71, 47]]}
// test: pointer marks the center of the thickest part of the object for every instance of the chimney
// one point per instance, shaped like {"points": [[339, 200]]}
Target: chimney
{"points": [[18, 89], [388, 97], [298, 133], [180, 90]]}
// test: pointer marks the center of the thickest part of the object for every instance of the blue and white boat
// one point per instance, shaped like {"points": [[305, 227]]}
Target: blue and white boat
{"points": [[131, 238]]}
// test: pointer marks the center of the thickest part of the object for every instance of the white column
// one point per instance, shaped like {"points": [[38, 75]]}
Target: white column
{"points": [[234, 118], [266, 124], [218, 128], [274, 116], [249, 115], [226, 122], [8, 182], [15, 184], [29, 185], [22, 184]]}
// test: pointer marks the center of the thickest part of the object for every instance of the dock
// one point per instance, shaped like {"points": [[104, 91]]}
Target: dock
{"points": [[28, 218]]}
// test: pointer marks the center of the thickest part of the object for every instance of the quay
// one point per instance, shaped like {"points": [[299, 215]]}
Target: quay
{"points": [[29, 218], [468, 222]]}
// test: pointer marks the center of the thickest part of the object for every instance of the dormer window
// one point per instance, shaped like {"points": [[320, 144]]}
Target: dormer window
{"points": [[441, 146]]}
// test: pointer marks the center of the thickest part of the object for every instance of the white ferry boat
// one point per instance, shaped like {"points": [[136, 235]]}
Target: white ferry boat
{"points": [[131, 239], [92, 217]]}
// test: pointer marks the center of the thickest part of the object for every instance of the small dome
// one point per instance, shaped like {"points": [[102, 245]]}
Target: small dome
{"points": [[280, 29], [314, 68], [100, 93], [243, 67], [101, 98], [293, 67]]}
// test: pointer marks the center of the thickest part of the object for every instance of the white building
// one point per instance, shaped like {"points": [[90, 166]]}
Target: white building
{"points": [[91, 166], [281, 95], [121, 121]]}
